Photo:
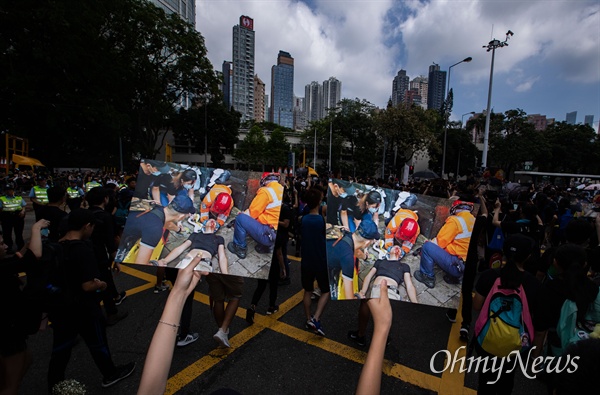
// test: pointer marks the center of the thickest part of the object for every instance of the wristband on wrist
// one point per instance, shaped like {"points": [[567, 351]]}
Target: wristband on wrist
{"points": [[175, 326]]}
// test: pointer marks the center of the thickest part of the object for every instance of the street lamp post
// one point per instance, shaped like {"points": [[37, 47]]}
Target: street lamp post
{"points": [[330, 136], [205, 134], [315, 151], [447, 115], [491, 46]]}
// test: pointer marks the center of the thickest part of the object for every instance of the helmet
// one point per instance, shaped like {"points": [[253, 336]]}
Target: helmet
{"points": [[407, 230], [461, 205], [373, 197], [268, 177], [189, 175], [221, 204]]}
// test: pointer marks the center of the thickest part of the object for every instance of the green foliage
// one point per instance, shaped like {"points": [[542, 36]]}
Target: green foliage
{"points": [[80, 75], [252, 150], [277, 149]]}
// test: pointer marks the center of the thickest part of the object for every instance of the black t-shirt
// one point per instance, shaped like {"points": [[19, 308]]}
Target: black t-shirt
{"points": [[81, 267], [165, 184], [103, 237], [392, 269], [54, 215], [531, 285], [206, 241], [142, 186], [334, 204], [350, 205]]}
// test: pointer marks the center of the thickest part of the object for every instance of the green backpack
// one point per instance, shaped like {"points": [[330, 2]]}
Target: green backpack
{"points": [[567, 328]]}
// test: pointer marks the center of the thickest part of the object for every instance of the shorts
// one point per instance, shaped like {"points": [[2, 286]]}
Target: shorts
{"points": [[392, 290], [221, 287], [309, 276]]}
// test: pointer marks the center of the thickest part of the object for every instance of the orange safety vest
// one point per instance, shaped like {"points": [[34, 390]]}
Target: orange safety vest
{"points": [[266, 206]]}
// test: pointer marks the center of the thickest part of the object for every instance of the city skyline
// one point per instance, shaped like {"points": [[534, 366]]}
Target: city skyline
{"points": [[551, 66]]}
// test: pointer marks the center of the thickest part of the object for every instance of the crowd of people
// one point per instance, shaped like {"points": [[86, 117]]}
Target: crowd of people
{"points": [[549, 249]]}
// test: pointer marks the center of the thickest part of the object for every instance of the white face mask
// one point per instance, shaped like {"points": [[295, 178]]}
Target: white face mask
{"points": [[373, 210], [343, 194], [187, 186], [156, 173]]}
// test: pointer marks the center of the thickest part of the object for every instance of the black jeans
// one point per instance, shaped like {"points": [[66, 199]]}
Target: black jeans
{"points": [[273, 282], [12, 222], [91, 326]]}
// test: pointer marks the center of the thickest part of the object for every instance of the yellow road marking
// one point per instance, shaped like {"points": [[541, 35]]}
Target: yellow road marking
{"points": [[450, 383]]}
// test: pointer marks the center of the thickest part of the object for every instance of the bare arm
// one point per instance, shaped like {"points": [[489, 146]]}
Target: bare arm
{"points": [[160, 352], [478, 300], [367, 281], [156, 195], [370, 377], [344, 218], [93, 285], [410, 288], [175, 252], [223, 263], [35, 244], [348, 288], [496, 220]]}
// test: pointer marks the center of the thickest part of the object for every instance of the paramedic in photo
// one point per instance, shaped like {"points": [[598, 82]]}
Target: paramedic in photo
{"points": [[205, 244], [260, 220], [394, 272], [217, 204], [402, 230], [449, 248]]}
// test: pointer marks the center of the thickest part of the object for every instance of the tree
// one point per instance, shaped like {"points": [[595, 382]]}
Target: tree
{"points": [[277, 149], [79, 77], [573, 149], [252, 150]]}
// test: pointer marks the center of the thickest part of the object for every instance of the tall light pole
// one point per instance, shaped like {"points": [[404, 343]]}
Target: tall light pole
{"points": [[205, 133], [491, 46], [447, 114], [463, 117], [315, 151], [330, 134]]}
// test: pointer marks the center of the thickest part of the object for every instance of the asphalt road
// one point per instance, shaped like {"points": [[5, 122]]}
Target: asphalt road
{"points": [[276, 355]]}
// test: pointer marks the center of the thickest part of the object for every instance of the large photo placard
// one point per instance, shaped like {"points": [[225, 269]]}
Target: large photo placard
{"points": [[227, 217], [417, 243]]}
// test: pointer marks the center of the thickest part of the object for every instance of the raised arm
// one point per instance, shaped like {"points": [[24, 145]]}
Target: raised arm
{"points": [[175, 252]]}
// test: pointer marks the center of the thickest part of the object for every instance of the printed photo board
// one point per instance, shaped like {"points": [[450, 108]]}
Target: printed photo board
{"points": [[395, 225], [180, 211]]}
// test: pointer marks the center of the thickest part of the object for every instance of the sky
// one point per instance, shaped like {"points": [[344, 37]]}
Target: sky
{"points": [[550, 67]]}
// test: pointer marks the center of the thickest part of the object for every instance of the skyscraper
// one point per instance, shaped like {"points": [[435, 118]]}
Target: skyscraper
{"points": [[299, 114], [399, 87], [185, 8], [420, 84], [259, 99], [332, 93], [313, 101], [243, 68], [436, 89], [282, 90], [588, 120], [227, 87]]}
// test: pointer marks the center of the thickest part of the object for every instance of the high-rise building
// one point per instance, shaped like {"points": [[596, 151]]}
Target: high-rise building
{"points": [[540, 123], [282, 90], [313, 101], [227, 86], [411, 97], [332, 93], [185, 8], [299, 114], [436, 87], [589, 120], [420, 84], [571, 118], [243, 68], [259, 99], [399, 87]]}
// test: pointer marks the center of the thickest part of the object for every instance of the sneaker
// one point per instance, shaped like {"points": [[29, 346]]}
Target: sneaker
{"points": [[114, 318], [464, 333], [310, 324], [272, 310], [422, 278], [316, 293], [261, 249], [451, 279], [451, 315], [161, 288], [190, 338], [359, 340], [121, 372], [237, 250], [222, 338], [122, 296], [250, 315], [318, 327]]}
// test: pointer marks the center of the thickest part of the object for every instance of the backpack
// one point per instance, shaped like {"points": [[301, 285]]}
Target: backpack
{"points": [[504, 324], [567, 328], [122, 212]]}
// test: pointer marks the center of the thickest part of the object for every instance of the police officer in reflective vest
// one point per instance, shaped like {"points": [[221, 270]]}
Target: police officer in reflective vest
{"points": [[74, 194], [12, 217], [39, 195]]}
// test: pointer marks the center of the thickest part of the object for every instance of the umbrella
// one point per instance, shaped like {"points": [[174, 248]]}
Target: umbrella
{"points": [[580, 186], [426, 174], [592, 187]]}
